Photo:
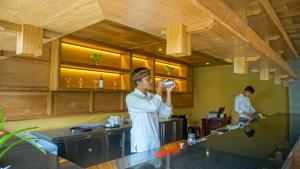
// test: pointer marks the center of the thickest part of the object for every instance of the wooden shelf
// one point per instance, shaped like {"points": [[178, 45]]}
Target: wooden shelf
{"points": [[92, 90], [90, 67], [169, 76]]}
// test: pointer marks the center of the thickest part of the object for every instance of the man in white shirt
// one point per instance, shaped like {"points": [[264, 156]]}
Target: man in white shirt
{"points": [[144, 108], [243, 106]]}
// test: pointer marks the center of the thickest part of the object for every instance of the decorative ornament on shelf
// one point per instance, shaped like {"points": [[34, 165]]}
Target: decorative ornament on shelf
{"points": [[6, 136], [168, 69], [97, 58]]}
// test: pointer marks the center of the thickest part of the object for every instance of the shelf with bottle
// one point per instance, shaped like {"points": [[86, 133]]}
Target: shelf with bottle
{"points": [[170, 69], [94, 57], [180, 84], [82, 80]]}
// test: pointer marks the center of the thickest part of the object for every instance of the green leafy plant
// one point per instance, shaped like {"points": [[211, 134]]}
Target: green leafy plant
{"points": [[4, 138], [168, 68], [98, 58]]}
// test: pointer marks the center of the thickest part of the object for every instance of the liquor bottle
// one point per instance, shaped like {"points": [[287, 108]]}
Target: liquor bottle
{"points": [[101, 82]]}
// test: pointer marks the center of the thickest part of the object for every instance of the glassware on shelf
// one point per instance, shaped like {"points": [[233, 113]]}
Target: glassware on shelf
{"points": [[81, 82], [95, 82], [115, 84], [68, 80]]}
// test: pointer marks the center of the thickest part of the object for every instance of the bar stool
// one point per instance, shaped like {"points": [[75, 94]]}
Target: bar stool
{"points": [[195, 130]]}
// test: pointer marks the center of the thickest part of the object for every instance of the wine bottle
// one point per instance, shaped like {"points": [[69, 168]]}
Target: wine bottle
{"points": [[101, 82]]}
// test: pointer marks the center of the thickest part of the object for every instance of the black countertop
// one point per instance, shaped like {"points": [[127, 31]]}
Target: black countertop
{"points": [[230, 150]]}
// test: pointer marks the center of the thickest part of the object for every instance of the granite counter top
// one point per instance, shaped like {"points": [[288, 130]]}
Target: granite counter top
{"points": [[267, 149]]}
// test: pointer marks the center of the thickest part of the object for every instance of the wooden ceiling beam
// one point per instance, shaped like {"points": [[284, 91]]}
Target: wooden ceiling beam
{"points": [[289, 13], [201, 26], [17, 28], [272, 14], [225, 16], [30, 41]]}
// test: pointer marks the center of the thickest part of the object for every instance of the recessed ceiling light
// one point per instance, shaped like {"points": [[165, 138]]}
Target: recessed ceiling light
{"points": [[159, 49], [207, 63]]}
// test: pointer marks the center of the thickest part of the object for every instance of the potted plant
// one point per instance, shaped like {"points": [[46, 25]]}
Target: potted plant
{"points": [[5, 137], [168, 69], [98, 58]]}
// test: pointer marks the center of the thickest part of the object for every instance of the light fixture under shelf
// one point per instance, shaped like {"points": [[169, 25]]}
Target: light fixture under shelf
{"points": [[90, 71], [90, 49]]}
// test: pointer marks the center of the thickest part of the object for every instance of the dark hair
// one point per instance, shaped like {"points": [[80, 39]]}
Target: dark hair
{"points": [[249, 131], [135, 71], [249, 89]]}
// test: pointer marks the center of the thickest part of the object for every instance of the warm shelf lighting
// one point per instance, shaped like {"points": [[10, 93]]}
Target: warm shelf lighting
{"points": [[90, 49], [98, 73], [167, 64], [139, 59], [159, 78]]}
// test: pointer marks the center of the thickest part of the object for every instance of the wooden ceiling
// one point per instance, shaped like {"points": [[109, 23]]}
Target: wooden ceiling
{"points": [[117, 35], [240, 28]]}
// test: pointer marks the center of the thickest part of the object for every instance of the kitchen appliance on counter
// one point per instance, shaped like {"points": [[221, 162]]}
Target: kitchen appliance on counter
{"points": [[184, 125]]}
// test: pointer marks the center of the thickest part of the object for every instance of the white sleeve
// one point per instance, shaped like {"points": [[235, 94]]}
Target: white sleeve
{"points": [[139, 104], [251, 107], [237, 105], [163, 108]]}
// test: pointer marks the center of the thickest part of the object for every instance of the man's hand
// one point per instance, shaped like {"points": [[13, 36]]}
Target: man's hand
{"points": [[169, 89], [160, 84]]}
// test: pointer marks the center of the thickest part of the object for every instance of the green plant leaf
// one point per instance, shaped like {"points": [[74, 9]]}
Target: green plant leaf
{"points": [[9, 148], [28, 139], [5, 138]]}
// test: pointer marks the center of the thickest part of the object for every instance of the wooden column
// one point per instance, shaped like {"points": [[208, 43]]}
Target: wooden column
{"points": [[277, 79], [30, 41], [55, 65], [178, 40], [264, 69], [240, 65]]}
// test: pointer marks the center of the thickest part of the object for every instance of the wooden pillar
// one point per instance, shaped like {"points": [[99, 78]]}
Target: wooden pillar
{"points": [[30, 41], [91, 102], [55, 65], [240, 65], [277, 79], [264, 69], [178, 40]]}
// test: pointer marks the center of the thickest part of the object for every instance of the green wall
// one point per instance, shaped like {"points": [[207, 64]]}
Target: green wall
{"points": [[217, 86]]}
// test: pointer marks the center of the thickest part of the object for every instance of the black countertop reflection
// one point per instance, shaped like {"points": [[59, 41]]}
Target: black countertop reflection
{"points": [[267, 149]]}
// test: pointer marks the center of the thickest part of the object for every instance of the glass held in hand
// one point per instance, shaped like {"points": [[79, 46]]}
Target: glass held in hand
{"points": [[169, 83], [68, 80], [81, 81]]}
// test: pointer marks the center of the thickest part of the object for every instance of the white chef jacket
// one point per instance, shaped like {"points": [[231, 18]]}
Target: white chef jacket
{"points": [[144, 114], [243, 105]]}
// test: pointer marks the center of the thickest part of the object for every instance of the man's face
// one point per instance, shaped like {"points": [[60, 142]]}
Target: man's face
{"points": [[247, 93], [145, 83]]}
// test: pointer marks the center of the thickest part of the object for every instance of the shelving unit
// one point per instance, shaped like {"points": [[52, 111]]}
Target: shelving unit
{"points": [[78, 71], [72, 63]]}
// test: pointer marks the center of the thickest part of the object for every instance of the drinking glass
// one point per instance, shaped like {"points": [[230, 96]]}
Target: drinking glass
{"points": [[115, 83], [95, 81], [191, 138], [68, 80], [80, 81]]}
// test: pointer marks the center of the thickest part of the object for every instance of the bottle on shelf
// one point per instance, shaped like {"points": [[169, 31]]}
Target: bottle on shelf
{"points": [[101, 82]]}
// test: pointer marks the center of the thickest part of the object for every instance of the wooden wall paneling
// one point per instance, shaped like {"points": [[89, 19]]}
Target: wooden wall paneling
{"points": [[107, 102], [70, 102], [50, 103], [182, 100], [55, 65], [19, 105], [30, 41], [24, 74], [91, 101]]}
